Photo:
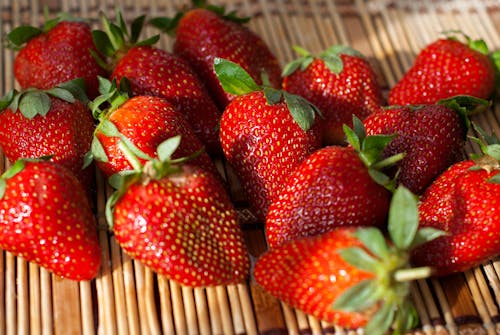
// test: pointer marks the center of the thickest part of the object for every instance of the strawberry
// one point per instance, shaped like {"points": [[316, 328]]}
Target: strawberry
{"points": [[178, 220], [53, 122], [138, 124], [59, 52], [46, 219], [265, 134], [446, 68], [432, 137], [156, 72], [340, 82], [335, 186], [463, 202], [206, 32], [352, 277]]}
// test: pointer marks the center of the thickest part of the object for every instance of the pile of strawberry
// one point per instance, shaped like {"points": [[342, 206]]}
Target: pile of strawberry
{"points": [[353, 191]]}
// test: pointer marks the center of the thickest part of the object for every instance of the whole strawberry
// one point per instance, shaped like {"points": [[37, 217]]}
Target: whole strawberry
{"points": [[179, 221], [46, 219], [340, 82], [335, 186], [431, 136], [53, 122], [351, 277], [265, 134], [446, 68], [205, 33], [463, 202], [59, 52]]}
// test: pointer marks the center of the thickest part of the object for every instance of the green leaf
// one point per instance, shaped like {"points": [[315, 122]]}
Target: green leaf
{"points": [[495, 179], [110, 208], [149, 41], [167, 148], [109, 129], [373, 240], [120, 22], [34, 103], [7, 99], [20, 35], [103, 43], [233, 78], [381, 178], [133, 149], [303, 112], [292, 67], [3, 187], [493, 150], [97, 152], [359, 258], [403, 218], [381, 321], [406, 317], [77, 88], [359, 128], [334, 63], [426, 234], [273, 96], [352, 138], [358, 297], [480, 46], [136, 28], [17, 167], [61, 94], [301, 51], [372, 148]]}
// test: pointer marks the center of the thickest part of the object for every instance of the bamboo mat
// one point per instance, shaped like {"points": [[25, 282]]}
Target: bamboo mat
{"points": [[127, 298]]}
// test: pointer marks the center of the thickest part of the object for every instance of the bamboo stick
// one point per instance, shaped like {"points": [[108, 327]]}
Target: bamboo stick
{"points": [[178, 308], [87, 308], [246, 305], [139, 271], [22, 296], [150, 308], [235, 307], [190, 310], [118, 288], [213, 307], [46, 302], [202, 311], [35, 310], [132, 310], [10, 294], [227, 324]]}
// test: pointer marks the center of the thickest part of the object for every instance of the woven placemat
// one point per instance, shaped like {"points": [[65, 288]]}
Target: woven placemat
{"points": [[127, 298]]}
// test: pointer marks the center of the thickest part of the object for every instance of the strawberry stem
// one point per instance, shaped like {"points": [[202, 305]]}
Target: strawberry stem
{"points": [[404, 275]]}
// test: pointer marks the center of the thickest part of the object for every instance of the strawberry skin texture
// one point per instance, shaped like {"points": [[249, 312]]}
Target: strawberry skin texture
{"points": [[331, 188], [466, 206], [65, 133], [46, 219], [155, 72], [147, 121], [443, 69], [264, 145], [433, 138], [354, 91], [202, 35], [185, 227], [60, 55], [309, 274]]}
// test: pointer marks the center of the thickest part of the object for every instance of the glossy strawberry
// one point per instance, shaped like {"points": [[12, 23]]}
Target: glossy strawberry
{"points": [[59, 52], [464, 203], [46, 219], [446, 68], [340, 82], [202, 34], [351, 277], [265, 134], [179, 221]]}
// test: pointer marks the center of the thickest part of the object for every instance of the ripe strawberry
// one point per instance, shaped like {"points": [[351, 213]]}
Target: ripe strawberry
{"points": [[340, 82], [52, 122], [335, 186], [265, 134], [156, 72], [59, 52], [179, 221], [351, 277], [138, 124], [205, 33], [46, 219], [463, 202], [432, 136], [446, 68]]}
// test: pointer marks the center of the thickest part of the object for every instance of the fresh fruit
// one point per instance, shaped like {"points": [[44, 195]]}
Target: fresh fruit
{"points": [[178, 220], [140, 123], [464, 203], [340, 82], [156, 72], [53, 122], [351, 277], [265, 134], [59, 52], [446, 68], [432, 137], [46, 219], [335, 186], [205, 33]]}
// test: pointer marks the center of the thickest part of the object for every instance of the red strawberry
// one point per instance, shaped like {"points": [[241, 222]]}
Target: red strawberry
{"points": [[340, 82], [349, 276], [333, 187], [46, 219], [265, 134], [445, 68], [138, 124], [202, 34], [432, 136], [179, 221], [463, 202], [53, 122], [60, 52]]}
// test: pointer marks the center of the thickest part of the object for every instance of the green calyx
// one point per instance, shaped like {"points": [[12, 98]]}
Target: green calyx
{"points": [[32, 102], [331, 58], [489, 159], [466, 106], [478, 45], [370, 150], [235, 80], [389, 289]]}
